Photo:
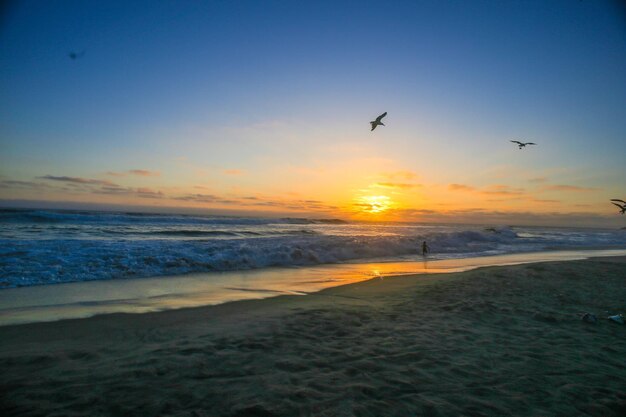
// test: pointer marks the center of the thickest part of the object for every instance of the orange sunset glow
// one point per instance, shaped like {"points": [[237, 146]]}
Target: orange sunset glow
{"points": [[375, 204]]}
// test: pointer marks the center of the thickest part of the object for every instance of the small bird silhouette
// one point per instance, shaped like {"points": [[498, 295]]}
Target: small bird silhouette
{"points": [[378, 122], [622, 206], [522, 144], [75, 55]]}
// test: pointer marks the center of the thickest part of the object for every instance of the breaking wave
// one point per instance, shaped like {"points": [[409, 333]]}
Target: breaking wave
{"points": [[46, 247]]}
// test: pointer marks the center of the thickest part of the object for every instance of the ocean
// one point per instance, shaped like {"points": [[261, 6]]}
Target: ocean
{"points": [[42, 247]]}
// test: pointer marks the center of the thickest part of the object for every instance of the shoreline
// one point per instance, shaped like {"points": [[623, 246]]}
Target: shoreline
{"points": [[46, 303], [502, 340]]}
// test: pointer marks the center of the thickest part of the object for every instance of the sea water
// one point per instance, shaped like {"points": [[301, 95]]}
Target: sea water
{"points": [[40, 247]]}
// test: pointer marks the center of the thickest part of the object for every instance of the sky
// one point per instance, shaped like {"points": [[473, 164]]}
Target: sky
{"points": [[263, 108]]}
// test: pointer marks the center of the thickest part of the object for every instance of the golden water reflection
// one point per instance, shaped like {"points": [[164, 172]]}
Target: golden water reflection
{"points": [[141, 295]]}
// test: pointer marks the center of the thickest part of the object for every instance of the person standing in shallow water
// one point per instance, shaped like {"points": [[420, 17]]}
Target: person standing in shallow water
{"points": [[425, 248]]}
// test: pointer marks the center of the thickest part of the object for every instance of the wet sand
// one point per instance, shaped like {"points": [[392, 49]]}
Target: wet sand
{"points": [[73, 300], [493, 341]]}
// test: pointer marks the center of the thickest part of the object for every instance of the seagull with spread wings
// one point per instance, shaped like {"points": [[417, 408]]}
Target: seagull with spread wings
{"points": [[522, 144], [378, 122], [622, 206]]}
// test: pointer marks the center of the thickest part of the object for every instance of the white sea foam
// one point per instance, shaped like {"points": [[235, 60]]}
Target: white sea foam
{"points": [[45, 247]]}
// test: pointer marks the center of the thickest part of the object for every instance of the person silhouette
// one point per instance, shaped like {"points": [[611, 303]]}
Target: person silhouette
{"points": [[425, 248]]}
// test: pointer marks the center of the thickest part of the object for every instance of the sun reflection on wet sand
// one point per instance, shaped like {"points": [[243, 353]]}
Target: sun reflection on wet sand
{"points": [[142, 295]]}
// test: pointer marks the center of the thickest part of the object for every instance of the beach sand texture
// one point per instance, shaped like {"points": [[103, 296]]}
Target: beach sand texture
{"points": [[493, 341]]}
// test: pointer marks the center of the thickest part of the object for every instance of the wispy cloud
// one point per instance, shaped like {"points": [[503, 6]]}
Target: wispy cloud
{"points": [[201, 198], [144, 173], [94, 186], [574, 188], [460, 187], [500, 193], [402, 174], [21, 184], [252, 201], [410, 212], [138, 172], [491, 190], [490, 217], [138, 192], [503, 190], [233, 172], [299, 205], [78, 180], [400, 185], [544, 200]]}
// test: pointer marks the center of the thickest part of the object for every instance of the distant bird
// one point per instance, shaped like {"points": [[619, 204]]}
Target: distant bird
{"points": [[378, 122], [522, 144], [75, 55], [622, 206]]}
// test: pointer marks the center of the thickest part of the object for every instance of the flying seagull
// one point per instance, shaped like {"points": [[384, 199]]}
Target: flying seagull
{"points": [[378, 122], [622, 206], [522, 144], [76, 55]]}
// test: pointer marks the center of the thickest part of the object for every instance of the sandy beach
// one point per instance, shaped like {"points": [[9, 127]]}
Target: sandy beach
{"points": [[493, 341]]}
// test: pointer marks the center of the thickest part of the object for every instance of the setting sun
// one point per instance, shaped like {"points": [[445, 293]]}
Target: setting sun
{"points": [[374, 204]]}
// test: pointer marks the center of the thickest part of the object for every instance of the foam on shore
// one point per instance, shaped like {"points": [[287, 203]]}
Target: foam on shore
{"points": [[86, 299]]}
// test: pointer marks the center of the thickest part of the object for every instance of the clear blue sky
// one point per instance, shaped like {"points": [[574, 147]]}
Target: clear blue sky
{"points": [[239, 97]]}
